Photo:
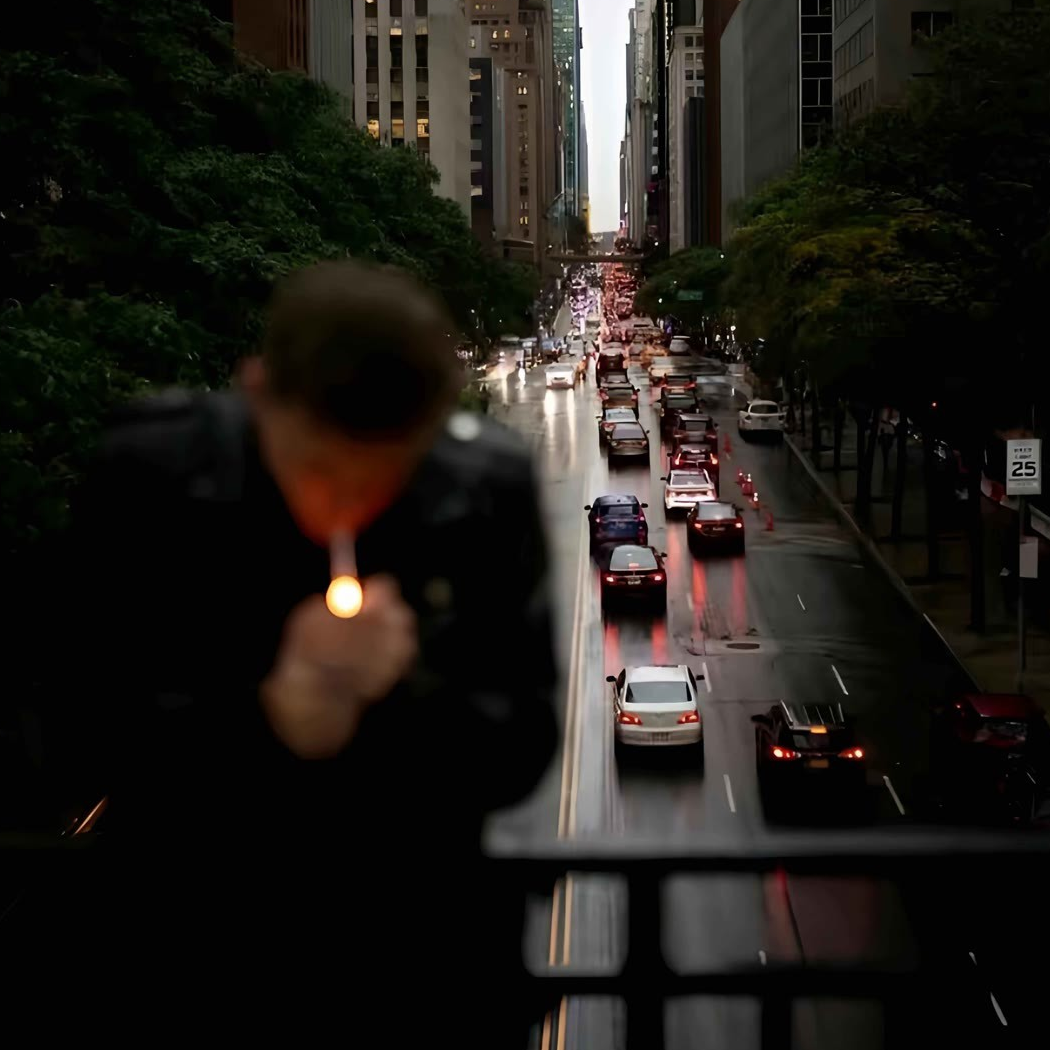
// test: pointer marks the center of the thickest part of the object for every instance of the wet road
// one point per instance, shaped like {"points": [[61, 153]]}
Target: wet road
{"points": [[801, 617]]}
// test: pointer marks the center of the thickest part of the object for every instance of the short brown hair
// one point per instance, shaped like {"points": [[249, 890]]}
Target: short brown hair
{"points": [[343, 333]]}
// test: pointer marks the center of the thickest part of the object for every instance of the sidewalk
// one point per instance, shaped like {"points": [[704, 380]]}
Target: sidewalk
{"points": [[990, 656]]}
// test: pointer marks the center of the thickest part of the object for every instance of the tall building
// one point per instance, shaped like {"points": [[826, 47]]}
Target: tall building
{"points": [[775, 92], [875, 48], [516, 35], [584, 207], [715, 15], [642, 158], [401, 66], [568, 41], [685, 81]]}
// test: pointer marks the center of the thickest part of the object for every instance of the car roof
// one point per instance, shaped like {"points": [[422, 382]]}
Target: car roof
{"points": [[615, 498], [1003, 705], [658, 673], [700, 476], [693, 417], [803, 716], [628, 423]]}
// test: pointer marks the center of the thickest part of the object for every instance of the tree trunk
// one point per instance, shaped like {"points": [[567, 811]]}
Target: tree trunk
{"points": [[866, 466], [840, 426], [933, 560], [899, 477], [974, 454], [815, 424]]}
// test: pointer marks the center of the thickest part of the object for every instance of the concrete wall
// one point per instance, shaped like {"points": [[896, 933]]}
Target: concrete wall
{"points": [[331, 26], [449, 68]]}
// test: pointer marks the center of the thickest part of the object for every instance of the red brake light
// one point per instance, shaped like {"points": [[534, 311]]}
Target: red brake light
{"points": [[739, 524], [783, 753], [852, 752], [689, 716], [627, 719], [714, 461], [658, 577], [610, 579]]}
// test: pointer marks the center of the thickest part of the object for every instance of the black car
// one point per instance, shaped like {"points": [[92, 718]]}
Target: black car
{"points": [[715, 526], [680, 381], [799, 744], [611, 416], [628, 441], [670, 403], [634, 574], [614, 362], [617, 519], [697, 427], [689, 455]]}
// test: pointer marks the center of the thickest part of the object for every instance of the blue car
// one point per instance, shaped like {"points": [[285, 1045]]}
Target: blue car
{"points": [[617, 519]]}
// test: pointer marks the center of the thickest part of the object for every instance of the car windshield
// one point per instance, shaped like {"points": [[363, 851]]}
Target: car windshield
{"points": [[833, 740], [764, 410], [619, 510], [1001, 729], [680, 401], [628, 430], [714, 512], [625, 558], [619, 415], [692, 424], [657, 693], [679, 480]]}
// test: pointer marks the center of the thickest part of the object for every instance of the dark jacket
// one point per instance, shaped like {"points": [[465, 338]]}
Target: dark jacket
{"points": [[219, 844]]}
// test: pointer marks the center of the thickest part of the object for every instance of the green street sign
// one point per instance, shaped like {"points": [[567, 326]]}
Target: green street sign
{"points": [[690, 297]]}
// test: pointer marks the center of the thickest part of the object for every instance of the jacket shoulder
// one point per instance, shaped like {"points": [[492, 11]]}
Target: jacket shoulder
{"points": [[485, 449]]}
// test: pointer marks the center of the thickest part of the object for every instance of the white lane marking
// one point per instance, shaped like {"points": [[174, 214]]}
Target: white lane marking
{"points": [[842, 684], [800, 602], [707, 677], [689, 601], [998, 1010], [973, 958], [761, 957], [729, 793], [900, 806]]}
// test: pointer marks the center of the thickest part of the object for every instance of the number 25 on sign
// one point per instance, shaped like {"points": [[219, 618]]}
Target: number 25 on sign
{"points": [[1024, 467]]}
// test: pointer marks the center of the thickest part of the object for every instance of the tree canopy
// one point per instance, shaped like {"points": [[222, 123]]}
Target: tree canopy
{"points": [[155, 183]]}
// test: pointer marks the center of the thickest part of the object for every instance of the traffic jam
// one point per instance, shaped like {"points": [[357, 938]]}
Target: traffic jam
{"points": [[644, 374]]}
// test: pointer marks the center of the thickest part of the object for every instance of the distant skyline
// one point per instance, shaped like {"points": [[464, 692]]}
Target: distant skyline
{"points": [[603, 84]]}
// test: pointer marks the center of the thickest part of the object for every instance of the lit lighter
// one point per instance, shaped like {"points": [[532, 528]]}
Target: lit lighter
{"points": [[344, 597]]}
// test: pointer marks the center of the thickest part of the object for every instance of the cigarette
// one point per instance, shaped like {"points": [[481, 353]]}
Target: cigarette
{"points": [[344, 597]]}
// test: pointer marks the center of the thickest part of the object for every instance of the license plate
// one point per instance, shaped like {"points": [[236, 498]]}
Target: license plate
{"points": [[719, 528], [633, 583], [817, 763], [659, 738]]}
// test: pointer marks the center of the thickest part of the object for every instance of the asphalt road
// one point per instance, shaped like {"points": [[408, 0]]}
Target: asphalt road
{"points": [[800, 616]]}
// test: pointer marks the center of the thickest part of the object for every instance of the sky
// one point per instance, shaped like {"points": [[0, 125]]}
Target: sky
{"points": [[603, 75]]}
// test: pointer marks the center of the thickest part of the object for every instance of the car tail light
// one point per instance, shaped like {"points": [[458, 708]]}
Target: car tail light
{"points": [[625, 718], [689, 716], [699, 525], [658, 577], [714, 461], [739, 524], [852, 752], [783, 753], [610, 579]]}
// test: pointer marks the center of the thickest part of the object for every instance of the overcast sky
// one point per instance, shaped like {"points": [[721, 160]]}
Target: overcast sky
{"points": [[603, 72]]}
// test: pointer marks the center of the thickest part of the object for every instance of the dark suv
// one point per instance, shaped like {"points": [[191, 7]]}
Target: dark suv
{"points": [[617, 519]]}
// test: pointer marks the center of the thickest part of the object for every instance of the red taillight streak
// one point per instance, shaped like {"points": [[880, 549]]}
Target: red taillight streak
{"points": [[627, 719], [852, 752], [689, 716]]}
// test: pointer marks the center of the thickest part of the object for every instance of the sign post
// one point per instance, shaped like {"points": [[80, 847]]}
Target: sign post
{"points": [[1024, 477]]}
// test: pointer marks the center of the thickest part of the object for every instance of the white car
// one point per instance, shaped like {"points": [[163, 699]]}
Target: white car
{"points": [[656, 706], [561, 374], [685, 488], [761, 416]]}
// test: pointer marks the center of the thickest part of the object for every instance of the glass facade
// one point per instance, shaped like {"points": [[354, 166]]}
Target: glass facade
{"points": [[566, 32]]}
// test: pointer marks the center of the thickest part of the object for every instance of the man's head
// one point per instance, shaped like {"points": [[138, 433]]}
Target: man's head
{"points": [[356, 375]]}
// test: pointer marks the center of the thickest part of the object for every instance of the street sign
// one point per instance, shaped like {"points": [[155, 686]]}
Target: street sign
{"points": [[1024, 476], [686, 296]]}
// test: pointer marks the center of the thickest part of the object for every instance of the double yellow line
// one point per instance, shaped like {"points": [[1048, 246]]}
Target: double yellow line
{"points": [[559, 953]]}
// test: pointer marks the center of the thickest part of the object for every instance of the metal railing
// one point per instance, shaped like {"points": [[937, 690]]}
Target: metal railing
{"points": [[645, 981]]}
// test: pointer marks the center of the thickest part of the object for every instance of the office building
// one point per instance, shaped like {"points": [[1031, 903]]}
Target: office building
{"points": [[642, 159], [877, 48], [685, 81], [715, 17], [401, 66], [584, 211], [776, 78], [516, 35], [567, 38]]}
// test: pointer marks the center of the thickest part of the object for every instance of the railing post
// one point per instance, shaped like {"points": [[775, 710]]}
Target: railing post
{"points": [[776, 1022], [645, 967]]}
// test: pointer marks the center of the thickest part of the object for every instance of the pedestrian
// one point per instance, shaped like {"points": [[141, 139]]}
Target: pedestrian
{"points": [[295, 801]]}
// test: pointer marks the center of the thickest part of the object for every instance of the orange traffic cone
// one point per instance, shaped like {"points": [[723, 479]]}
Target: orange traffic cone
{"points": [[769, 521], [747, 486], [740, 477], [754, 501]]}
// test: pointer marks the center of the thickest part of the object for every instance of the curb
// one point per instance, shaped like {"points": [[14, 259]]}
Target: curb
{"points": [[871, 550]]}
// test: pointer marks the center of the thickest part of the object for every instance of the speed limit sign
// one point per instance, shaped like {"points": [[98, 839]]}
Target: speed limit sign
{"points": [[1023, 467]]}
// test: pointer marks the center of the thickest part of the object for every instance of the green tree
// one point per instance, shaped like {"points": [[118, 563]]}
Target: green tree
{"points": [[698, 270]]}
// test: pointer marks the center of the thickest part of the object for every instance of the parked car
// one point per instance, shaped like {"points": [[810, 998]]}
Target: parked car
{"points": [[761, 417]]}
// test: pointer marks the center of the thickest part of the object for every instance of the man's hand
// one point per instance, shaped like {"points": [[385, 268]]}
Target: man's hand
{"points": [[328, 670]]}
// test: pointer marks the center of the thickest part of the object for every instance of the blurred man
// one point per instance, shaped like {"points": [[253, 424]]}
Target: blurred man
{"points": [[295, 800]]}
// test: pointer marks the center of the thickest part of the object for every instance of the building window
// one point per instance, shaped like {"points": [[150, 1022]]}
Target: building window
{"points": [[397, 130], [396, 52], [421, 8], [688, 74], [844, 8], [473, 42], [422, 52], [925, 24], [855, 50], [373, 128], [395, 8], [688, 41]]}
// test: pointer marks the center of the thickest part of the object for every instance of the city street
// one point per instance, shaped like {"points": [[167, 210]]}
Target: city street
{"points": [[800, 617]]}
